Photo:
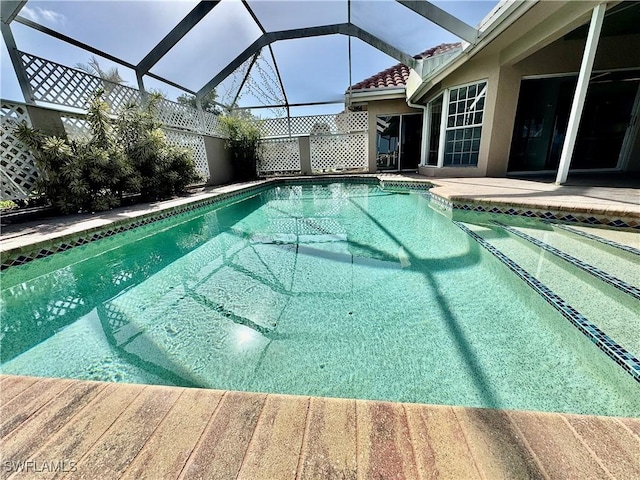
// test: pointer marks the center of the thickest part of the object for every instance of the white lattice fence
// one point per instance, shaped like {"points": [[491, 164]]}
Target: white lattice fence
{"points": [[76, 127], [54, 83], [279, 155], [211, 124], [339, 152], [344, 122], [180, 116], [196, 143], [19, 172]]}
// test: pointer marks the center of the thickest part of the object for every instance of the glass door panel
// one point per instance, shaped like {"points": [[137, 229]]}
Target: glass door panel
{"points": [[388, 142], [411, 141]]}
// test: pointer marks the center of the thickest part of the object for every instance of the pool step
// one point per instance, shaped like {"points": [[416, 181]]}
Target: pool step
{"points": [[605, 314], [601, 236], [599, 257]]}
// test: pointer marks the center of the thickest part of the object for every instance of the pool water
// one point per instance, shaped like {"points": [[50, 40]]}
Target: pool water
{"points": [[339, 290]]}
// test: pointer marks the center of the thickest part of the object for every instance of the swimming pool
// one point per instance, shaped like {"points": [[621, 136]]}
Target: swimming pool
{"points": [[335, 289]]}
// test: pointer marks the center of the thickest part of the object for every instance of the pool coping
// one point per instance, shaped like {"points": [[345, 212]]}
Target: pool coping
{"points": [[109, 223], [178, 432]]}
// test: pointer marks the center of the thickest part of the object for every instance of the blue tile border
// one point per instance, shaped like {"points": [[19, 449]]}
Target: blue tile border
{"points": [[45, 248], [611, 243], [615, 351], [28, 253], [559, 215], [596, 272], [404, 184]]}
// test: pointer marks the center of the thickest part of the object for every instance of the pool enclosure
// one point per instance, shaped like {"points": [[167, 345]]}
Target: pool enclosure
{"points": [[297, 68], [285, 64]]}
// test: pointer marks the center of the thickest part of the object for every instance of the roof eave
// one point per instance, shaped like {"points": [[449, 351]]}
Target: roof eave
{"points": [[373, 94], [513, 10]]}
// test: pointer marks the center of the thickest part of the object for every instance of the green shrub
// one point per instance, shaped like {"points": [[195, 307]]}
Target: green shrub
{"points": [[243, 141], [94, 175], [162, 170]]}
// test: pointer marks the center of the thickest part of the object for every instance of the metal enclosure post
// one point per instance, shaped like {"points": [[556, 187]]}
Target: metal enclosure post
{"points": [[18, 67], [443, 127], [581, 92]]}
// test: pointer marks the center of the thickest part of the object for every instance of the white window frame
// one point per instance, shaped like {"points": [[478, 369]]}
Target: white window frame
{"points": [[444, 117]]}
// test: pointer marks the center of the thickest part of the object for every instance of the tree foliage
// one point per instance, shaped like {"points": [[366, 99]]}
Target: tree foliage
{"points": [[208, 102], [243, 140]]}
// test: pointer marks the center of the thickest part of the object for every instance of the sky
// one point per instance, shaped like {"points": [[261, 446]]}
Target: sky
{"points": [[312, 69]]}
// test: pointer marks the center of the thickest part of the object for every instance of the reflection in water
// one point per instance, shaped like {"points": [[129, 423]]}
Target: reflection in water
{"points": [[336, 290]]}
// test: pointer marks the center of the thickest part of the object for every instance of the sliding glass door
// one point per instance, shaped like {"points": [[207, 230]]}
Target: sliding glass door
{"points": [[398, 142]]}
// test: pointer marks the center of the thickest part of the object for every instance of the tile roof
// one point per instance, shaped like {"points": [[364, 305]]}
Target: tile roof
{"points": [[397, 75]]}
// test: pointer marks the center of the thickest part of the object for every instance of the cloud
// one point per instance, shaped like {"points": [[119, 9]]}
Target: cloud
{"points": [[43, 15]]}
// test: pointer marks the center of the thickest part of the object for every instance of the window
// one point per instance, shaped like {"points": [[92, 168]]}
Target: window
{"points": [[464, 124], [435, 115]]}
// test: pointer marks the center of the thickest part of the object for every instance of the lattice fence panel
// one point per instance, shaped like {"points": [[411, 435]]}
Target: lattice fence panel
{"points": [[339, 152], [212, 125], [279, 155], [352, 122], [345, 122], [76, 127], [196, 143], [55, 83], [274, 127], [19, 172], [175, 115]]}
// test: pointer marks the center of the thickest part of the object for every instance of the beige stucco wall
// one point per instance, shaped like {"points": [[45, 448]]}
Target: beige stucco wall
{"points": [[219, 160], [503, 85], [46, 120], [562, 56], [383, 107]]}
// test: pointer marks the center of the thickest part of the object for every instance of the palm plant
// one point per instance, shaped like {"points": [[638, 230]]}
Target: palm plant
{"points": [[110, 78]]}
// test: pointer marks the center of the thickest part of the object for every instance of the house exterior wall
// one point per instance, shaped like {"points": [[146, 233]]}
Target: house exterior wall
{"points": [[501, 100], [560, 57], [383, 107]]}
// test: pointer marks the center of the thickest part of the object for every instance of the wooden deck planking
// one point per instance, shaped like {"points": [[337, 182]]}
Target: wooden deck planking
{"points": [[80, 434], [137, 431], [167, 451], [440, 446], [329, 449]]}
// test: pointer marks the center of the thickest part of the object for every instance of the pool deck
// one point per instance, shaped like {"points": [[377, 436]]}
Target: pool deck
{"points": [[110, 430], [137, 431], [614, 201]]}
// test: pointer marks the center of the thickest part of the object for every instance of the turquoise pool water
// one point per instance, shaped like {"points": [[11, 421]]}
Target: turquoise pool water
{"points": [[340, 290]]}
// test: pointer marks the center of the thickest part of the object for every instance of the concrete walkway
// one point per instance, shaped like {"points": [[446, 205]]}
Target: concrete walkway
{"points": [[526, 193]]}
